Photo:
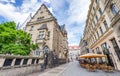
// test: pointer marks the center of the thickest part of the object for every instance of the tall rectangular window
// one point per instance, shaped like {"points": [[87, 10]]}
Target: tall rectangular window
{"points": [[41, 35], [105, 24], [116, 47], [114, 9], [97, 50], [95, 37], [96, 1], [97, 34], [100, 11], [94, 23], [105, 48], [101, 30], [48, 33], [30, 35], [96, 18], [32, 27], [94, 9]]}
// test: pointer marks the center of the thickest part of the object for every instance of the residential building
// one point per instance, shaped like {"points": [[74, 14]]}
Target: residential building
{"points": [[74, 52], [102, 30], [48, 34]]}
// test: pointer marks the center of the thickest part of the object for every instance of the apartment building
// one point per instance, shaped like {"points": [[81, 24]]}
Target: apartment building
{"points": [[74, 52], [102, 29], [48, 34]]}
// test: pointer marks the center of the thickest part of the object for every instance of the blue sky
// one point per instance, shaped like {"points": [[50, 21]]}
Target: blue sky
{"points": [[73, 13]]}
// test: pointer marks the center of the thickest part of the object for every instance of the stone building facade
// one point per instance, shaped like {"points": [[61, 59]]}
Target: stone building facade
{"points": [[48, 34], [74, 52], [102, 30]]}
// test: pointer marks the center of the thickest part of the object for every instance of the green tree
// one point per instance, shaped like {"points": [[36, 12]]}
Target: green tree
{"points": [[14, 41]]}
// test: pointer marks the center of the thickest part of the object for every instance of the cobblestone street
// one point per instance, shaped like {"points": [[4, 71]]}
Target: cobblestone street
{"points": [[73, 69]]}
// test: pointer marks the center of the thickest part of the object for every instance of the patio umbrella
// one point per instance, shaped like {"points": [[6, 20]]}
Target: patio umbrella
{"points": [[92, 55]]}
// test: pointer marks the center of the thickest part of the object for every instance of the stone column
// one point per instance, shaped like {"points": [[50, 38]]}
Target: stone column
{"points": [[13, 62], [2, 60], [35, 61], [21, 63], [29, 61]]}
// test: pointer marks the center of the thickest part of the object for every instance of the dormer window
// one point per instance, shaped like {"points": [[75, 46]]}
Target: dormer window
{"points": [[32, 27]]}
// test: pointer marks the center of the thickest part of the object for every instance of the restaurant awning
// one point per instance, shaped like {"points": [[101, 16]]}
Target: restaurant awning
{"points": [[92, 55]]}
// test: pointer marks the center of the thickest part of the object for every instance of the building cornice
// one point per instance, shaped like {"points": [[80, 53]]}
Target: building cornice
{"points": [[105, 35], [41, 21]]}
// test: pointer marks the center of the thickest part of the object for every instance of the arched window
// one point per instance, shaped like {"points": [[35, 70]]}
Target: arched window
{"points": [[46, 49], [114, 9], [96, 1]]}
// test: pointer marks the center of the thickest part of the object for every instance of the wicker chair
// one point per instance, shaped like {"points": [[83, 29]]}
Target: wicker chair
{"points": [[104, 67], [89, 67], [110, 69], [95, 67]]}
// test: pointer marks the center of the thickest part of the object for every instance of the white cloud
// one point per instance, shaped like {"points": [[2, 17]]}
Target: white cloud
{"points": [[78, 10], [56, 5], [19, 14], [75, 21], [8, 1], [76, 14], [47, 1]]}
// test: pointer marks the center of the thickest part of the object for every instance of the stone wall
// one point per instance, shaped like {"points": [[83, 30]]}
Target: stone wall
{"points": [[20, 71], [11, 65]]}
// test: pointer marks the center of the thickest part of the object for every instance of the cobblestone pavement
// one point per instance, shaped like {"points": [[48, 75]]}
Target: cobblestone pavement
{"points": [[76, 70], [52, 71], [73, 69]]}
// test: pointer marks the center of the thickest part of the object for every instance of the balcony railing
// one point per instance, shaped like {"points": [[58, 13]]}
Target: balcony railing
{"points": [[41, 40]]}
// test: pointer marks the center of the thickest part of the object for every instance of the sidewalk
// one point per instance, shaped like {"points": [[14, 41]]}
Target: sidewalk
{"points": [[73, 69], [52, 71], [56, 71]]}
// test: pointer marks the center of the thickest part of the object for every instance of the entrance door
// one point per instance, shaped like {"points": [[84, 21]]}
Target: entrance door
{"points": [[46, 55], [46, 49], [107, 53], [116, 48]]}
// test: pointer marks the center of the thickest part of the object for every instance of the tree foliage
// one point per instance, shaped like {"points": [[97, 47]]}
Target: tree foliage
{"points": [[14, 41]]}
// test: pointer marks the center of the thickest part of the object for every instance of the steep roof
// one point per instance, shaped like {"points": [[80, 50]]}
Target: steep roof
{"points": [[42, 13], [63, 29], [44, 26]]}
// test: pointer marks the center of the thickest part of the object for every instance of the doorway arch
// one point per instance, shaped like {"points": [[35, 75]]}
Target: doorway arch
{"points": [[46, 49]]}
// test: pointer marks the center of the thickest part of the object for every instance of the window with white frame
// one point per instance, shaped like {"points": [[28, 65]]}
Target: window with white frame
{"points": [[97, 49], [30, 35], [97, 34], [101, 30], [100, 11], [96, 17], [114, 9], [32, 27], [37, 52], [105, 24], [41, 34]]}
